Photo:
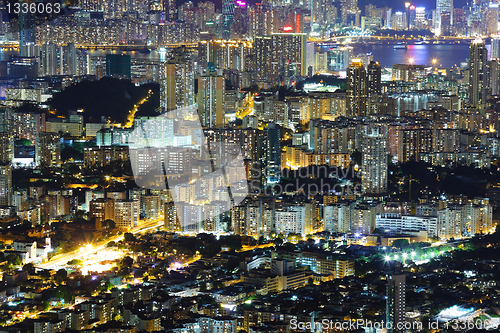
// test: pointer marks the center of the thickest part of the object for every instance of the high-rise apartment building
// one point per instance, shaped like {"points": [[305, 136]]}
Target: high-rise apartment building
{"points": [[169, 10], [356, 89], [492, 19], [396, 303], [338, 59], [172, 223], [495, 48], [442, 7], [479, 219], [48, 150], [68, 56], [374, 162], [227, 18], [49, 62], [273, 153], [450, 222], [5, 185], [6, 148], [414, 142], [27, 33], [494, 68], [224, 54], [477, 73], [102, 209], [211, 88], [280, 55], [126, 214], [177, 81], [263, 48], [374, 75]]}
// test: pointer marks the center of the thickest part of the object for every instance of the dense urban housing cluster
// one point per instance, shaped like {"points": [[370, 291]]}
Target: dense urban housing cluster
{"points": [[233, 167]]}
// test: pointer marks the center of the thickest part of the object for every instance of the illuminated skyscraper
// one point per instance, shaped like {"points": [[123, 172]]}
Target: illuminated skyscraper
{"points": [[177, 81], [280, 55], [477, 73], [126, 214], [446, 25], [443, 6], [412, 14], [289, 54], [207, 9], [374, 163], [6, 148], [492, 19], [495, 48], [227, 18], [172, 223], [263, 47], [169, 10], [339, 58], [419, 17], [494, 67], [211, 99], [356, 89], [27, 34], [273, 153], [69, 60], [48, 150], [5, 185], [374, 85], [49, 62], [102, 209], [396, 303], [223, 54]]}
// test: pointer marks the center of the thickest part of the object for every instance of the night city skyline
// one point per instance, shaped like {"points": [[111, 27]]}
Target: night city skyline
{"points": [[279, 166]]}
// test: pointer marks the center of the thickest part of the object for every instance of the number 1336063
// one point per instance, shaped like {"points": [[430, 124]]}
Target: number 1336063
{"points": [[33, 8]]}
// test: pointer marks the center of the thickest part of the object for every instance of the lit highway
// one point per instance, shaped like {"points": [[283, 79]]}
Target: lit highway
{"points": [[59, 261], [247, 109]]}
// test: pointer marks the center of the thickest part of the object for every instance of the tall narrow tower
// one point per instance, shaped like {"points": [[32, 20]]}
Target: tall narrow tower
{"points": [[227, 18], [374, 85], [396, 303], [273, 154], [374, 163], [356, 89], [27, 34], [211, 88], [5, 185], [477, 73], [177, 81]]}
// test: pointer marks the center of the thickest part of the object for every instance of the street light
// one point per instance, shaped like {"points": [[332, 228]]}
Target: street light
{"points": [[410, 60], [434, 60]]}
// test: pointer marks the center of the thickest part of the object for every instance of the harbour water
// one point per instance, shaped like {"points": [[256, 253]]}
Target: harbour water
{"points": [[446, 55]]}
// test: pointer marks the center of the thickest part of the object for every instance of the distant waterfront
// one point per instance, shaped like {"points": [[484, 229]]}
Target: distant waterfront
{"points": [[446, 55]]}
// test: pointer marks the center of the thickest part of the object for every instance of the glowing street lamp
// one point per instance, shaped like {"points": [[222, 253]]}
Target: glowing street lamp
{"points": [[434, 61], [405, 255], [387, 258], [413, 254], [410, 60]]}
